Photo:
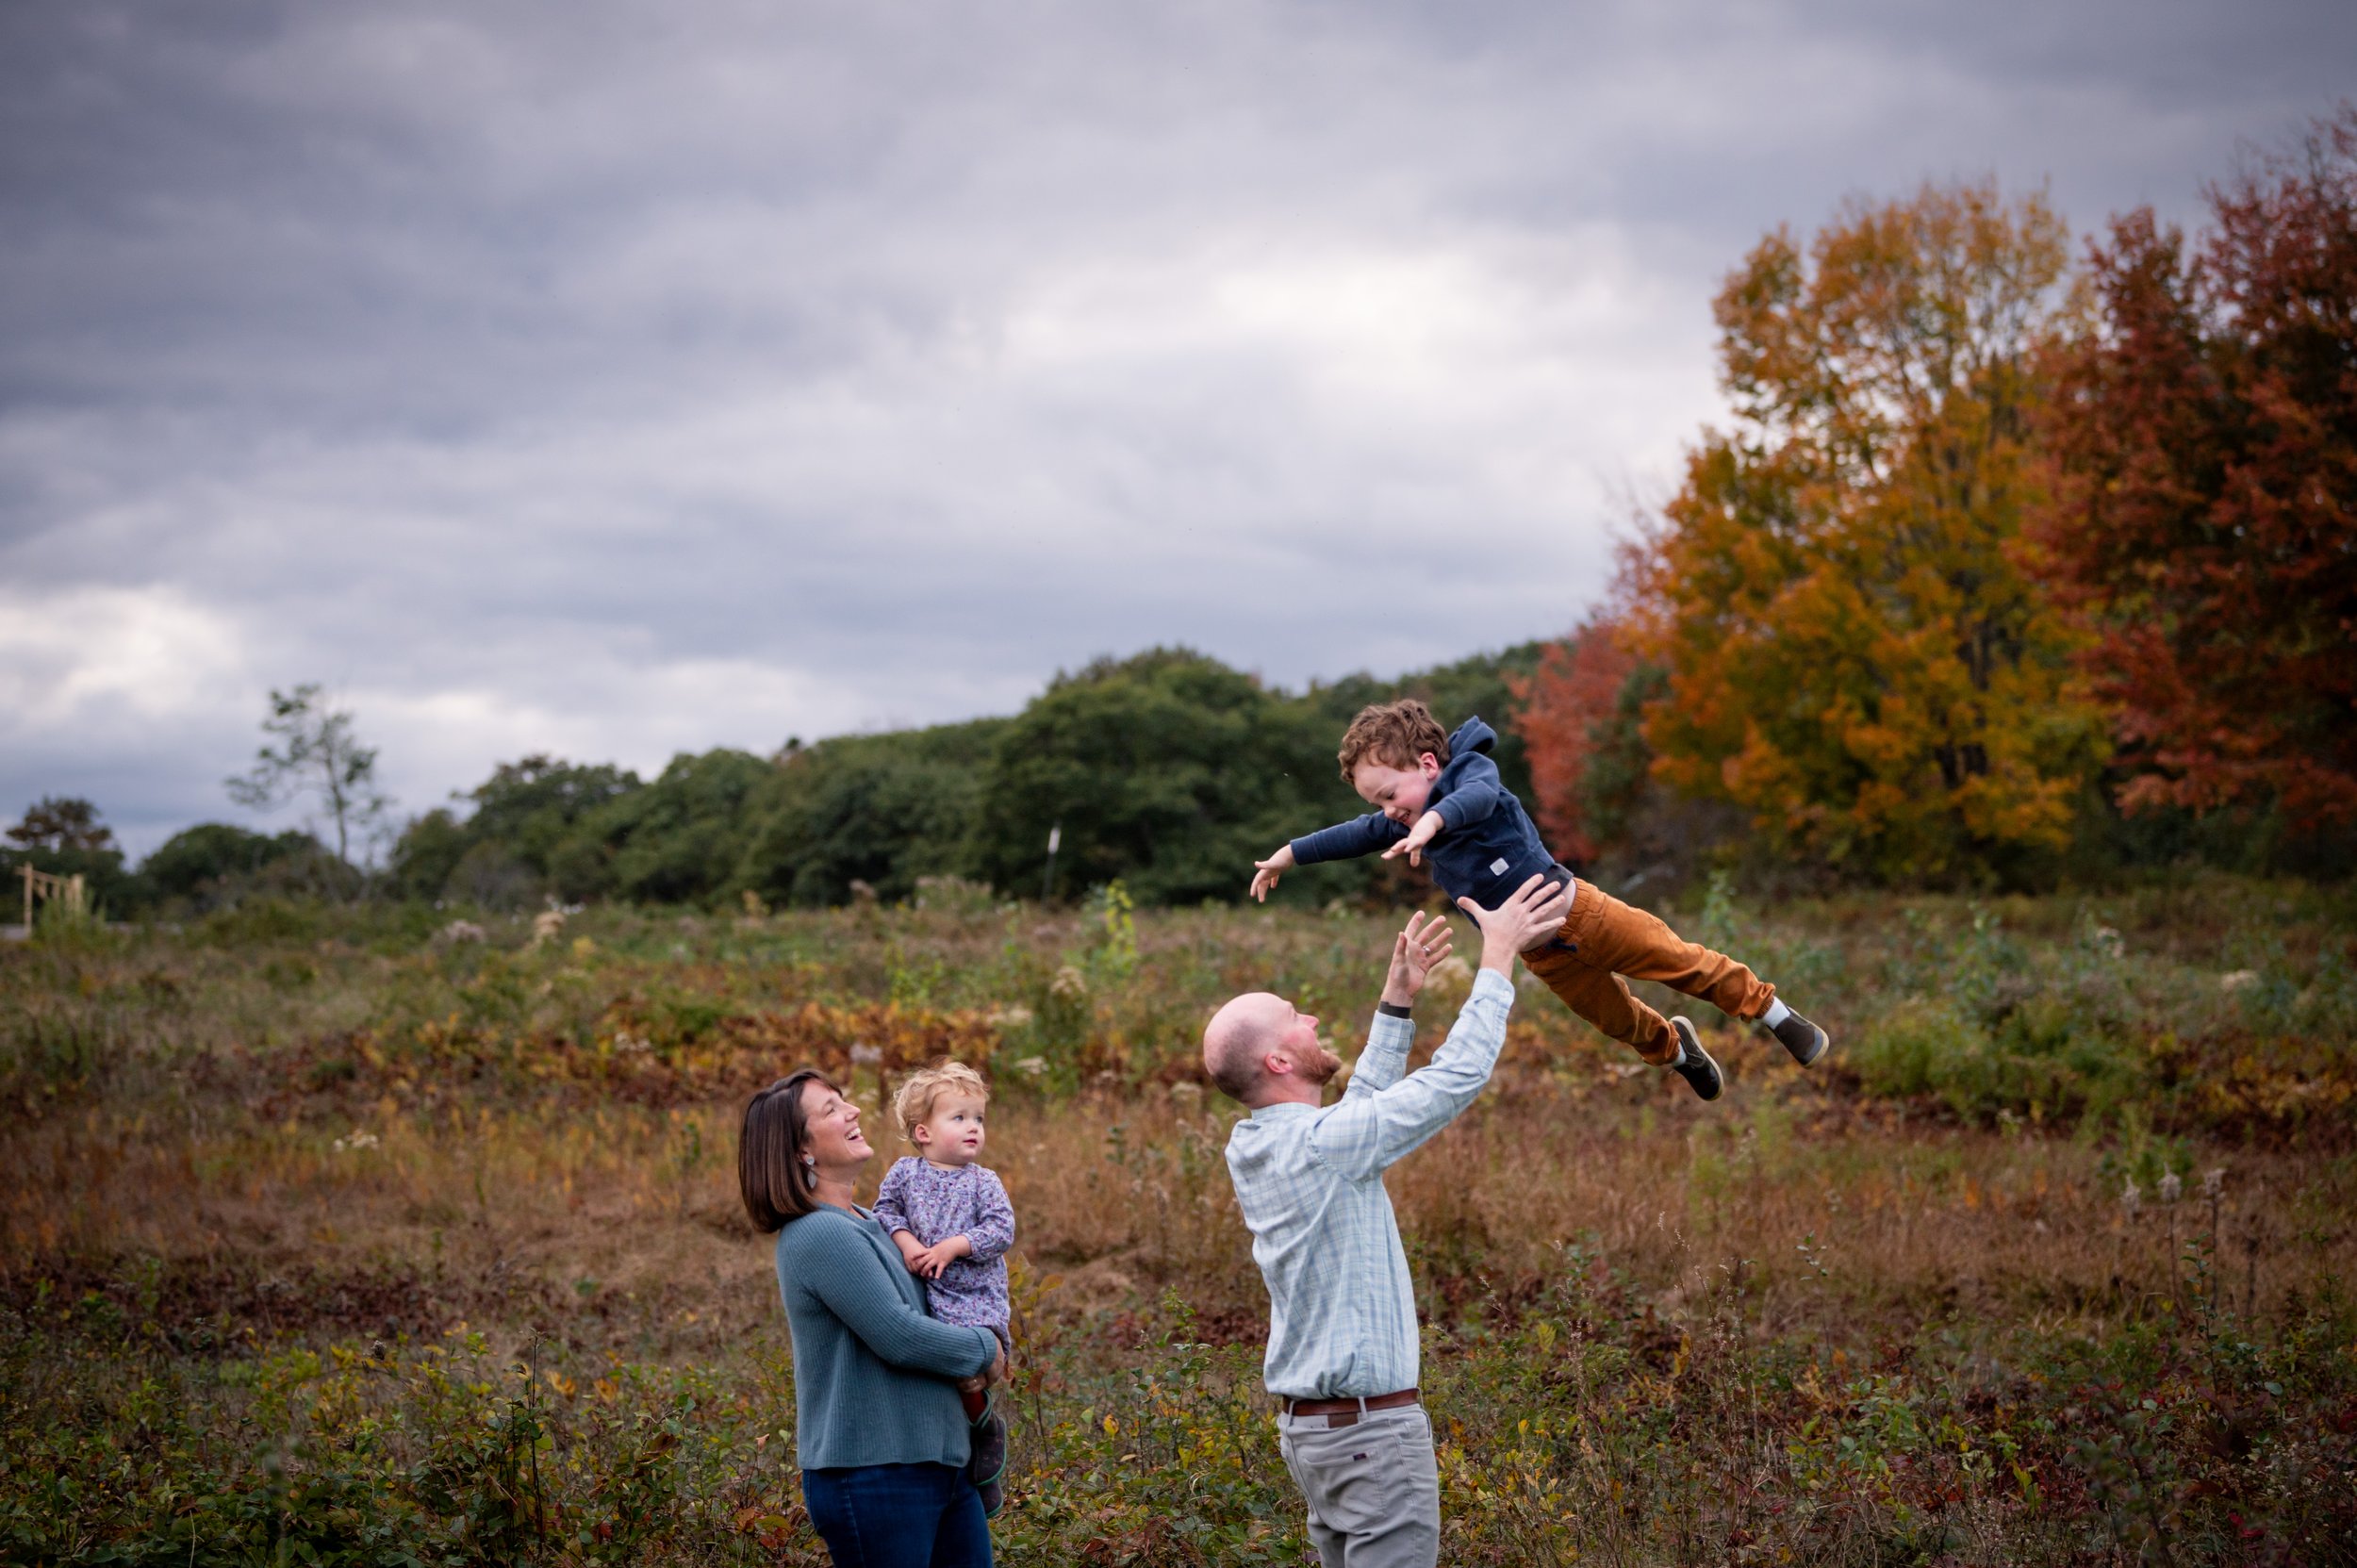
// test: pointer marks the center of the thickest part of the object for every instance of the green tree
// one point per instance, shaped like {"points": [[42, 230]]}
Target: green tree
{"points": [[524, 825], [531, 806], [205, 863], [1167, 770], [62, 835], [883, 810], [62, 822], [679, 839], [428, 850], [317, 754]]}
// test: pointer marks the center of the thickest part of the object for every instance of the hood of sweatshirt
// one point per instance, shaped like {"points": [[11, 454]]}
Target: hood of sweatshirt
{"points": [[1472, 735]]}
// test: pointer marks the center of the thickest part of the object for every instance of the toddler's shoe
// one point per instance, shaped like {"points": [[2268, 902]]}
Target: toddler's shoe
{"points": [[1804, 1039], [1700, 1072], [988, 1465]]}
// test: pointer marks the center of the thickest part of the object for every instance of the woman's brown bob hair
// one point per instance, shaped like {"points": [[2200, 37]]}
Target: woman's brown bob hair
{"points": [[777, 1183]]}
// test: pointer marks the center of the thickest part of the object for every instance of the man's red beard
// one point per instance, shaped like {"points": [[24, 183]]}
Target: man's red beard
{"points": [[1320, 1071]]}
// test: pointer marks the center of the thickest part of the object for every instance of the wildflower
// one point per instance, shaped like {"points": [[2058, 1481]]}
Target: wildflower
{"points": [[1187, 1094], [2131, 1199], [358, 1140], [633, 1044], [1010, 1017], [2213, 1182], [2170, 1187], [1032, 1065], [459, 932], [2237, 979], [547, 926], [1070, 984], [866, 1056]]}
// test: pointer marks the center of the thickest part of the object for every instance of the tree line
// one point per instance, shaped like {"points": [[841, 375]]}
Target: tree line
{"points": [[1167, 770]]}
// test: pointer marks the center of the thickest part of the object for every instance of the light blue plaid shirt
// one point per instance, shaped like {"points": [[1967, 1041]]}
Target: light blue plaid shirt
{"points": [[1309, 1181]]}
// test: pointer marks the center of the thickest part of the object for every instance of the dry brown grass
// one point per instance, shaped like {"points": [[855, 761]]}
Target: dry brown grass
{"points": [[1835, 1217]]}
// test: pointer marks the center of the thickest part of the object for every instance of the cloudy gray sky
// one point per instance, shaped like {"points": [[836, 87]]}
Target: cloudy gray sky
{"points": [[616, 380]]}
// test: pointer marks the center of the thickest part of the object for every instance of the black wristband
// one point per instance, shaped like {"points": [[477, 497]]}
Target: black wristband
{"points": [[1389, 1011]]}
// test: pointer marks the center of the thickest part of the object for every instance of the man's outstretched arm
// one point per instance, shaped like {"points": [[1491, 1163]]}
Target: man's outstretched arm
{"points": [[1364, 1134]]}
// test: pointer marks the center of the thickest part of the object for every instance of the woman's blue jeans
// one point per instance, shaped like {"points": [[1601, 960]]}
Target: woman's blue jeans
{"points": [[899, 1516]]}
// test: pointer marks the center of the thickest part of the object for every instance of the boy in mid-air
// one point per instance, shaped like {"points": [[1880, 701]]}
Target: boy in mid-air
{"points": [[948, 1214], [1439, 796]]}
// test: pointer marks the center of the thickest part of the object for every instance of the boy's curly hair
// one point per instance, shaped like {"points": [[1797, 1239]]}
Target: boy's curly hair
{"points": [[1392, 734], [921, 1090]]}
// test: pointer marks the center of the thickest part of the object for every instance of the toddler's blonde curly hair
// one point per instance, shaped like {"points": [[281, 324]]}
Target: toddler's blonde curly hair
{"points": [[921, 1090]]}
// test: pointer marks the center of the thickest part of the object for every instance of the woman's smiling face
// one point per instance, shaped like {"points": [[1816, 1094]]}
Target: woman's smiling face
{"points": [[831, 1131]]}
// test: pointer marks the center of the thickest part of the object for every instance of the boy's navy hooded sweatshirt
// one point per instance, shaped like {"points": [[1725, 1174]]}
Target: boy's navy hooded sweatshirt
{"points": [[1486, 847]]}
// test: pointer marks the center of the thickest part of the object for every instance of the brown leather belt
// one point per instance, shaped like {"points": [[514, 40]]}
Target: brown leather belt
{"points": [[1346, 1413]]}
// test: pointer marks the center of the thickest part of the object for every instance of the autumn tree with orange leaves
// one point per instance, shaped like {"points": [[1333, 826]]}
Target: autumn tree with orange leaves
{"points": [[2205, 519], [1858, 653]]}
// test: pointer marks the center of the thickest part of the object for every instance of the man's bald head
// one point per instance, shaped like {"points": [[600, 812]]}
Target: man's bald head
{"points": [[1239, 1038], [1260, 1049]]}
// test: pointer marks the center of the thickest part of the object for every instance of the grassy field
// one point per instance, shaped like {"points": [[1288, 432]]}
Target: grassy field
{"points": [[330, 1238]]}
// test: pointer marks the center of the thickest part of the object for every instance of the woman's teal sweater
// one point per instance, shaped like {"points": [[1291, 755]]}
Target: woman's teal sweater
{"points": [[873, 1375]]}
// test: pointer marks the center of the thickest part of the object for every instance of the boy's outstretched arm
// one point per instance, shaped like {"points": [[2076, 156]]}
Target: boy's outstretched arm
{"points": [[1360, 835]]}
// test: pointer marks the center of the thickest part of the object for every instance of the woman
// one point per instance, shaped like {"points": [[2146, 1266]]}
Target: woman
{"points": [[881, 1436]]}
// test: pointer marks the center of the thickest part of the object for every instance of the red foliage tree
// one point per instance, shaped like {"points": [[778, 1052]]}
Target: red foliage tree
{"points": [[1567, 707], [2204, 435]]}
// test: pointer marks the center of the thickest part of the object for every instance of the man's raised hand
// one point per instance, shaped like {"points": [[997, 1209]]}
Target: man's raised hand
{"points": [[1414, 951], [1535, 913]]}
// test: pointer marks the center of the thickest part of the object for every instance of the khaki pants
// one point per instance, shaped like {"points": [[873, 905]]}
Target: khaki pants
{"points": [[1373, 1487], [1605, 939]]}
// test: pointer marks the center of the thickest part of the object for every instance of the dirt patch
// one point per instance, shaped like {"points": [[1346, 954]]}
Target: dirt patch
{"points": [[203, 1306]]}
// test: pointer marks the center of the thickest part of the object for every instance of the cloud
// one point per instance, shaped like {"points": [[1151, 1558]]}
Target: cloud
{"points": [[638, 381], [113, 656]]}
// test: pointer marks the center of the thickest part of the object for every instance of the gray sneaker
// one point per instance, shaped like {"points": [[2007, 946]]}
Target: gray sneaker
{"points": [[1700, 1072], [1804, 1039]]}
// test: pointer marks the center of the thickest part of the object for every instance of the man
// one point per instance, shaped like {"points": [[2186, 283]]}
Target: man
{"points": [[1342, 1344]]}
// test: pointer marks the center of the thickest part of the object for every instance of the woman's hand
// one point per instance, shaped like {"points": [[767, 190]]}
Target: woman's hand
{"points": [[995, 1373]]}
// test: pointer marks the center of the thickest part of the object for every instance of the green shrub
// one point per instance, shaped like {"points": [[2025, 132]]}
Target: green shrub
{"points": [[1919, 1047], [253, 921]]}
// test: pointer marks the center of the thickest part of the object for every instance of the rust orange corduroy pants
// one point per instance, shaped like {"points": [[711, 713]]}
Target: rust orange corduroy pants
{"points": [[1605, 939]]}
